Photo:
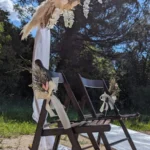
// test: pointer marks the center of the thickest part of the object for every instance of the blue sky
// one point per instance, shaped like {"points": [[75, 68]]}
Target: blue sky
{"points": [[7, 5]]}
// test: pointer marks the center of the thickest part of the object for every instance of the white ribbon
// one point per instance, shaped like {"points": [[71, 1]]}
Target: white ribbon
{"points": [[55, 103], [108, 101], [42, 51], [53, 88], [61, 112]]}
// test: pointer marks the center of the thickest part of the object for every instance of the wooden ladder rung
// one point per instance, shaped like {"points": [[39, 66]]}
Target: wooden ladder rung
{"points": [[119, 141], [87, 147]]}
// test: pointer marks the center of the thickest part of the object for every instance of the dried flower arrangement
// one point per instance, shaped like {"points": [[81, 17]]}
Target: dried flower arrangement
{"points": [[86, 7], [48, 13], [109, 100], [44, 87], [42, 83], [114, 88]]}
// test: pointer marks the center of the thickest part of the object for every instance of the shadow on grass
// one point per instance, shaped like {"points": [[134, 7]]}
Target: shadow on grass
{"points": [[17, 109], [20, 110], [16, 117]]}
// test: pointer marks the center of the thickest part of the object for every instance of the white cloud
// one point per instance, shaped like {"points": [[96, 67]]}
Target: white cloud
{"points": [[7, 5]]}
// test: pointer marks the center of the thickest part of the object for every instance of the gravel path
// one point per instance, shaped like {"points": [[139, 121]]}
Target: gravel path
{"points": [[22, 142], [19, 143]]}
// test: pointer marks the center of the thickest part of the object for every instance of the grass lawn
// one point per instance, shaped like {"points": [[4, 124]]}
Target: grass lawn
{"points": [[16, 118], [136, 125], [13, 128]]}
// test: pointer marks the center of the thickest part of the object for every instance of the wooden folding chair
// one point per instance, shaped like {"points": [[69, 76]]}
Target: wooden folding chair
{"points": [[76, 127], [87, 83]]}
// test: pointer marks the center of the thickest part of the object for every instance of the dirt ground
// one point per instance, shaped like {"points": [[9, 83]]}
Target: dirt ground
{"points": [[22, 142]]}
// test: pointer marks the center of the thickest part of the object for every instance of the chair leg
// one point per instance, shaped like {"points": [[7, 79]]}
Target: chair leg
{"points": [[93, 141], [99, 139], [37, 136], [105, 141], [127, 135], [83, 102], [56, 143], [57, 138], [77, 135], [73, 139]]}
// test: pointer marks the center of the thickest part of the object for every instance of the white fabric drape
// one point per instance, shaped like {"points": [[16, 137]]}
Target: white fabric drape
{"points": [[42, 51]]}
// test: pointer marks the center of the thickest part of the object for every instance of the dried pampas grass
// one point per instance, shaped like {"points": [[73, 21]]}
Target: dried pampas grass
{"points": [[39, 18], [44, 13], [66, 4], [71, 4]]}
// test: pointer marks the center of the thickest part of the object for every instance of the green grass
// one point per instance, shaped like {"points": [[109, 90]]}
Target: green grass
{"points": [[12, 128], [16, 118], [137, 125]]}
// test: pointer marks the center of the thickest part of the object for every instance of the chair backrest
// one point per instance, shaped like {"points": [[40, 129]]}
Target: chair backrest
{"points": [[63, 80], [59, 75], [87, 83], [92, 83]]}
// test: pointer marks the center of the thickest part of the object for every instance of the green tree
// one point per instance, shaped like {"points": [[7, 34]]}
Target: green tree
{"points": [[13, 79]]}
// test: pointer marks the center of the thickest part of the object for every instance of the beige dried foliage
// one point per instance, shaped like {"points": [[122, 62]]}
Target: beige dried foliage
{"points": [[60, 3], [39, 18], [113, 87], [44, 12], [71, 4]]}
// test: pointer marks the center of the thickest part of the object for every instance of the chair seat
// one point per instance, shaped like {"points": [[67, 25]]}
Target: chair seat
{"points": [[92, 123], [89, 116], [81, 127], [119, 117]]}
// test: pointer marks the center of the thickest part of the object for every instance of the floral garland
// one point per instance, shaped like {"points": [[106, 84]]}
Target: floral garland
{"points": [[49, 12], [55, 16], [68, 18], [86, 7], [68, 15]]}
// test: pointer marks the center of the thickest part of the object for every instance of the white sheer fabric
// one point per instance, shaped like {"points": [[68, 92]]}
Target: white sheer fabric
{"points": [[42, 51]]}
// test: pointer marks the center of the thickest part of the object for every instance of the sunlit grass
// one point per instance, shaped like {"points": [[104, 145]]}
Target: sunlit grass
{"points": [[16, 118], [13, 128], [137, 125]]}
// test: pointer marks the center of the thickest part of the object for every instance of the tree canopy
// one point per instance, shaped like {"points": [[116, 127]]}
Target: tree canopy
{"points": [[114, 42]]}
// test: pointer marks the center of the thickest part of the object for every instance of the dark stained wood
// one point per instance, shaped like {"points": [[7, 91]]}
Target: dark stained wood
{"points": [[87, 147], [105, 141], [99, 139], [73, 139], [117, 142], [104, 119], [101, 121], [92, 83], [56, 142], [127, 134], [77, 127], [73, 98], [92, 128], [63, 80], [93, 122], [57, 138], [107, 121], [93, 112], [59, 75], [39, 128], [93, 141]]}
